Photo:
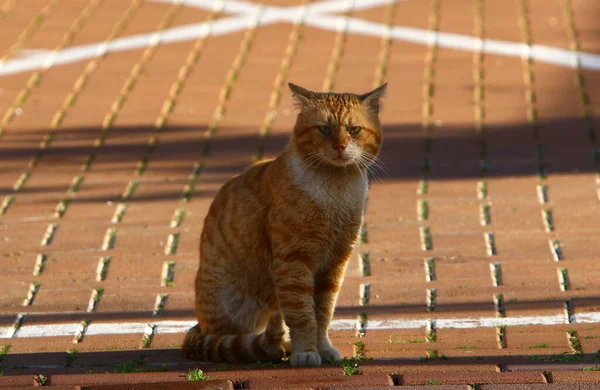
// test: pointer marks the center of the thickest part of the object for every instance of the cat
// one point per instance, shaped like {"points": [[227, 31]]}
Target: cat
{"points": [[277, 238]]}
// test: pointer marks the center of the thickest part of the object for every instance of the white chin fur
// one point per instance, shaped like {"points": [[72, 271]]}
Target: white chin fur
{"points": [[341, 162]]}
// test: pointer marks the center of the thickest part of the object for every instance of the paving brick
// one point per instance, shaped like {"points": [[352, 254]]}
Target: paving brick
{"points": [[16, 381], [406, 366], [283, 373], [542, 342], [469, 378], [551, 367], [322, 382], [575, 377], [125, 378], [549, 386], [440, 387], [210, 384], [466, 342]]}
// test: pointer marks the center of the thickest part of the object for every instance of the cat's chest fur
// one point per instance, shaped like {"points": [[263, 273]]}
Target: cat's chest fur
{"points": [[341, 197]]}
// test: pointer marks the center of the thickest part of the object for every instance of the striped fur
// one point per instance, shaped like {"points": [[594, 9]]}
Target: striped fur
{"points": [[277, 238]]}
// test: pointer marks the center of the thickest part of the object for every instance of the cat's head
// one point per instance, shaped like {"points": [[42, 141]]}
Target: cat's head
{"points": [[337, 129]]}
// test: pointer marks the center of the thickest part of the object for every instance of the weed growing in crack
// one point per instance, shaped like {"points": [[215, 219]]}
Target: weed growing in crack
{"points": [[72, 355], [426, 240], [422, 209], [4, 350], [137, 365], [41, 380], [349, 368], [196, 375], [423, 187], [365, 263], [540, 345], [565, 357], [595, 368], [360, 351], [467, 347]]}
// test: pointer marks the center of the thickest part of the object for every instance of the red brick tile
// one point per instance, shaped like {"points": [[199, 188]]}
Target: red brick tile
{"points": [[323, 371], [468, 378], [406, 366], [395, 343], [467, 342], [541, 341], [125, 378], [547, 386], [321, 382], [17, 381], [575, 377], [589, 338], [439, 387], [209, 384], [344, 341], [114, 342], [27, 349], [168, 340], [547, 367]]}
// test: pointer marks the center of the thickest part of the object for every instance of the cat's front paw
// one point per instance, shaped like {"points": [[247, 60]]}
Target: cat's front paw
{"points": [[329, 354], [305, 359]]}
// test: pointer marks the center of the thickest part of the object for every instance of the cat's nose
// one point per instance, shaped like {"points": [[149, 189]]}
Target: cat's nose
{"points": [[339, 148]]}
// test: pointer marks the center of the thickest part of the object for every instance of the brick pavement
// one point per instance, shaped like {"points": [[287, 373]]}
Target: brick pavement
{"points": [[477, 265]]}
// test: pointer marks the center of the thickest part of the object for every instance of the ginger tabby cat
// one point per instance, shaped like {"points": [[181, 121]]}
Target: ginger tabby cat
{"points": [[277, 238]]}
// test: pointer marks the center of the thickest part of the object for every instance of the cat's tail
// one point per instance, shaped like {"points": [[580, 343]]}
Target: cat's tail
{"points": [[232, 348]]}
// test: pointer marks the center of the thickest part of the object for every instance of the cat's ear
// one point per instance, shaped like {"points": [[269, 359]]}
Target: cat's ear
{"points": [[371, 99], [301, 96]]}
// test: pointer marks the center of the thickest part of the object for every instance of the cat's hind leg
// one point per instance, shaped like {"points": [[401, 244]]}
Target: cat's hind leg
{"points": [[233, 348], [245, 335]]}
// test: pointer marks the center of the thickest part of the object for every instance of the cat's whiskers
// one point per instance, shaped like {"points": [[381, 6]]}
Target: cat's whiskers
{"points": [[311, 160], [366, 160]]}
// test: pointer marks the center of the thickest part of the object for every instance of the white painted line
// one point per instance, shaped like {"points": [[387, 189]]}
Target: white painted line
{"points": [[587, 318], [116, 328], [50, 330], [343, 325], [102, 49], [319, 16], [172, 327], [395, 324], [11, 331]]}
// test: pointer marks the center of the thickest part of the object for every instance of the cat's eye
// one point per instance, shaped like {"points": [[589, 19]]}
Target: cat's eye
{"points": [[355, 130], [325, 130]]}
